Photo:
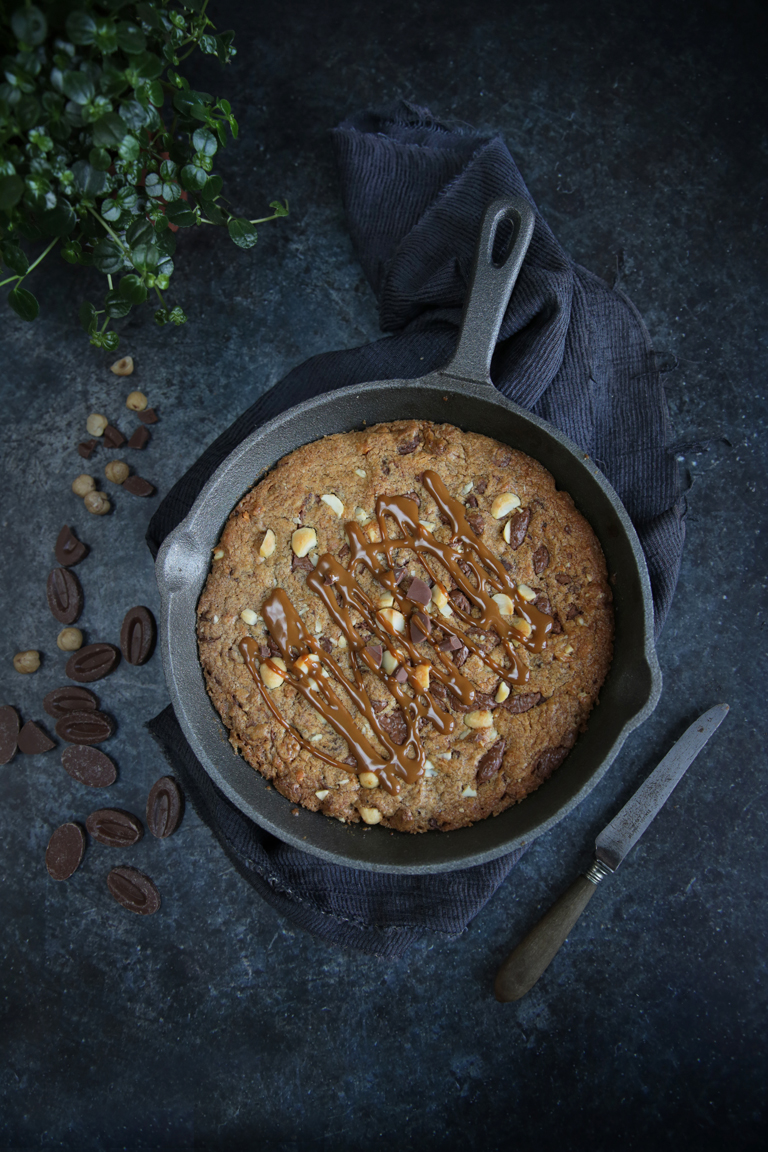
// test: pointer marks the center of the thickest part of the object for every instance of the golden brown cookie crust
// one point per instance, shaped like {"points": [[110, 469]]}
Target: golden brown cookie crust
{"points": [[559, 558]]}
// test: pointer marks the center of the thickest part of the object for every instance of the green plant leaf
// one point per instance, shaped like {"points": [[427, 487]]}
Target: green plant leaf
{"points": [[132, 289], [109, 130], [111, 210], [11, 191], [60, 221], [108, 256], [15, 258], [28, 112], [145, 257], [150, 15], [78, 86], [100, 159], [71, 251], [213, 186], [242, 232], [116, 306], [129, 148], [140, 232], [130, 38], [212, 212], [38, 193], [105, 36], [23, 303], [180, 214], [193, 178], [145, 66], [81, 28], [29, 25], [88, 317], [204, 142], [88, 179], [106, 340]]}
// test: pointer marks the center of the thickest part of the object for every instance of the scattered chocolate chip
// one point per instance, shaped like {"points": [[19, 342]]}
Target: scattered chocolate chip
{"points": [[131, 888], [523, 702], [139, 438], [9, 733], [113, 437], [433, 823], [114, 827], [487, 639], [405, 447], [65, 851], [398, 574], [491, 762], [481, 486], [502, 457], [70, 699], [439, 691], [518, 527], [461, 656], [325, 644], [137, 635], [165, 806], [89, 727], [419, 592], [300, 563], [411, 496], [506, 564], [32, 740], [562, 578], [86, 449], [138, 486], [481, 700], [401, 675], [471, 501], [450, 644], [420, 626], [376, 652], [549, 760], [69, 550], [65, 595], [572, 612], [459, 600], [395, 726], [93, 662], [476, 523], [540, 559], [148, 416], [89, 766], [343, 551]]}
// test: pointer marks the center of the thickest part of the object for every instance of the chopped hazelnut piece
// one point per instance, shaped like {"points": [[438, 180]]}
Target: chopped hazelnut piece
{"points": [[303, 541], [267, 545], [123, 367], [371, 815], [504, 504]]}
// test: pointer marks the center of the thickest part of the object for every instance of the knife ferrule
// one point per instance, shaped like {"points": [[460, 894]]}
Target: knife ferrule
{"points": [[597, 871]]}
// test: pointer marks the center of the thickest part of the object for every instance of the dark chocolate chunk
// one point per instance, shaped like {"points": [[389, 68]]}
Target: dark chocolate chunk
{"points": [[325, 644], [461, 656], [114, 827], [471, 501], [93, 662], [165, 806], [137, 635], [450, 644], [506, 564], [138, 486], [420, 626], [113, 437], [70, 699], [502, 457], [139, 438], [343, 551], [65, 595], [148, 416], [131, 888], [562, 577], [9, 733], [439, 691], [69, 550], [540, 559], [405, 447], [481, 486], [395, 726], [398, 574], [65, 851], [522, 702], [481, 700], [89, 766], [476, 523], [401, 675], [89, 727], [459, 600], [572, 612], [411, 496], [419, 592], [376, 652], [487, 639], [491, 762], [549, 760], [518, 527], [86, 449], [33, 741], [301, 563]]}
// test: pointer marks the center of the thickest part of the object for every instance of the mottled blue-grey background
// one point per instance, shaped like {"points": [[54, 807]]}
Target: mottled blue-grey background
{"points": [[640, 129]]}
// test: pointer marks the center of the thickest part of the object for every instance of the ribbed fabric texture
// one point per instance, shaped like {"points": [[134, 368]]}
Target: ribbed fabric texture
{"points": [[571, 349]]}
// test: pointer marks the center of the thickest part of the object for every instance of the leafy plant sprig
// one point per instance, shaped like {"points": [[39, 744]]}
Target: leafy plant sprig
{"points": [[107, 151]]}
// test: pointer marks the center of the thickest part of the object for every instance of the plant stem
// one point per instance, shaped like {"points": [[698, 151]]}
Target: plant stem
{"points": [[266, 219], [159, 295], [107, 228], [42, 256]]}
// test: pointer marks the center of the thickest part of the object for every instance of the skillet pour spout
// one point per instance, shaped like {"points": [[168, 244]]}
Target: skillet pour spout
{"points": [[462, 394]]}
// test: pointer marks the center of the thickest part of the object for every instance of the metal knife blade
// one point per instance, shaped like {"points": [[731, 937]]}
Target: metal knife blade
{"points": [[626, 828]]}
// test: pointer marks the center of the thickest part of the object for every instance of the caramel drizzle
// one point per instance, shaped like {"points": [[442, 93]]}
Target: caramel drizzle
{"points": [[312, 671]]}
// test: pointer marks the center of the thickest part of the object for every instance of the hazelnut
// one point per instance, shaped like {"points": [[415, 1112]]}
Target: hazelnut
{"points": [[248, 616], [116, 471], [482, 718], [526, 592], [333, 503], [97, 503], [469, 791], [83, 484], [386, 600], [439, 596], [368, 779], [388, 662], [123, 367], [96, 423], [502, 692], [371, 815], [136, 401], [69, 639], [303, 541], [267, 546], [360, 472], [321, 795], [219, 554], [521, 626], [271, 670], [506, 607], [26, 662], [392, 620], [421, 675], [503, 504]]}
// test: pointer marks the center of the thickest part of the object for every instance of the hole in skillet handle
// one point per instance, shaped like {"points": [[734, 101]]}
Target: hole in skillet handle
{"points": [[504, 239]]}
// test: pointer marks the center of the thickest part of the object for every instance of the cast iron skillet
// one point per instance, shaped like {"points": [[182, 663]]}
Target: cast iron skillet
{"points": [[461, 394]]}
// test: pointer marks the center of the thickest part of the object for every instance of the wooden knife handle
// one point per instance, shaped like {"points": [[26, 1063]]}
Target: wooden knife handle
{"points": [[534, 954]]}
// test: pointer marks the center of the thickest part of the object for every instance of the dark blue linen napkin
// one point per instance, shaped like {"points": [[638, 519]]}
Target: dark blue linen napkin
{"points": [[571, 349]]}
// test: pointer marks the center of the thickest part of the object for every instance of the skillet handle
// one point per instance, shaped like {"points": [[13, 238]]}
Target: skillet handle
{"points": [[490, 288]]}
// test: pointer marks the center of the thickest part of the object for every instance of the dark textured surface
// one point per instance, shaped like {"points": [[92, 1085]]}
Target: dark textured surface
{"points": [[640, 131]]}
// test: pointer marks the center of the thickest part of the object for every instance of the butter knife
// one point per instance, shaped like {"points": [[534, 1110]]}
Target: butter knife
{"points": [[533, 955]]}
